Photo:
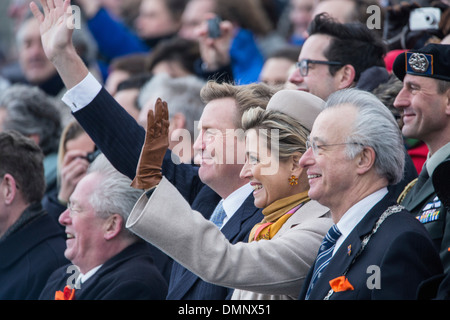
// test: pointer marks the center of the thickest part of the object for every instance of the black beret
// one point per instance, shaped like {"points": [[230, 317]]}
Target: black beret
{"points": [[431, 61]]}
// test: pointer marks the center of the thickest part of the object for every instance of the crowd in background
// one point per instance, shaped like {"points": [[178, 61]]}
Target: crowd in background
{"points": [[142, 50]]}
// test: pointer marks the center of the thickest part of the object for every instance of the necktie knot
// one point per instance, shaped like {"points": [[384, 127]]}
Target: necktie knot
{"points": [[218, 215], [331, 237]]}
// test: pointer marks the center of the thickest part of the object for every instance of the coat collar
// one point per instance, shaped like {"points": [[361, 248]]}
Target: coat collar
{"points": [[38, 229]]}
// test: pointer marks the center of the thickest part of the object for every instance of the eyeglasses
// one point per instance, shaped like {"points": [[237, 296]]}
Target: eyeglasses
{"points": [[315, 147], [303, 65]]}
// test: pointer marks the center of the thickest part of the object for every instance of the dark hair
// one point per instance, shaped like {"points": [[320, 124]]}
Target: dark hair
{"points": [[248, 14], [22, 158], [180, 50], [176, 8], [352, 43]]}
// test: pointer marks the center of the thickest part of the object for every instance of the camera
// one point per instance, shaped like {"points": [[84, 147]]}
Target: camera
{"points": [[214, 27], [424, 19]]}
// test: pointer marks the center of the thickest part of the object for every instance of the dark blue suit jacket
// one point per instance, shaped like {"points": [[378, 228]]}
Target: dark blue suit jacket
{"points": [[29, 256], [401, 249], [121, 138]]}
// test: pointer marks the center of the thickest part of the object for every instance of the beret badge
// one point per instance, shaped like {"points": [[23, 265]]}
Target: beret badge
{"points": [[419, 63]]}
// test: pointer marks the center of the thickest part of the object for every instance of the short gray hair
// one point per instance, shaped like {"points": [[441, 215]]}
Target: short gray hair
{"points": [[374, 127], [31, 111], [113, 195], [182, 95]]}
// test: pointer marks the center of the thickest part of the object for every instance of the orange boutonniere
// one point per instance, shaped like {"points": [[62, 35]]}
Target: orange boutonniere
{"points": [[67, 294], [341, 284]]}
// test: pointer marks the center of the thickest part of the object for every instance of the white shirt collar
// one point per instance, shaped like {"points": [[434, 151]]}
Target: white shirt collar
{"points": [[84, 277], [235, 200], [356, 213]]}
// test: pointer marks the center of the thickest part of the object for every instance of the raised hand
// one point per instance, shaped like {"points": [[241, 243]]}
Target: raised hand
{"points": [[148, 172], [56, 28], [54, 25]]}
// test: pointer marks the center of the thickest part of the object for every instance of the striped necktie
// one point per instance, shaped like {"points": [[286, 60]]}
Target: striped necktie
{"points": [[324, 255], [218, 215]]}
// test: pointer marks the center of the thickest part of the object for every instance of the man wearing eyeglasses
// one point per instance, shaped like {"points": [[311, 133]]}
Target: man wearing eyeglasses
{"points": [[337, 56], [376, 249]]}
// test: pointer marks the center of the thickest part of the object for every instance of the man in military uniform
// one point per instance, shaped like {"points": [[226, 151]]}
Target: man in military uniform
{"points": [[424, 102]]}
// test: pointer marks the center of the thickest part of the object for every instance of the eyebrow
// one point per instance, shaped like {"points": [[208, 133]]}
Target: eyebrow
{"points": [[317, 139]]}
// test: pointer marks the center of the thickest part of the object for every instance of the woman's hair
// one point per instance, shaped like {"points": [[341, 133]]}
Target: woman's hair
{"points": [[290, 135]]}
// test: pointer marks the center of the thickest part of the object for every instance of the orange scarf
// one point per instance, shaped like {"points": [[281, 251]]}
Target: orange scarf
{"points": [[276, 214]]}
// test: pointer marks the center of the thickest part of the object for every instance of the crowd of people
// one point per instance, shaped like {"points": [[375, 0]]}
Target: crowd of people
{"points": [[215, 150]]}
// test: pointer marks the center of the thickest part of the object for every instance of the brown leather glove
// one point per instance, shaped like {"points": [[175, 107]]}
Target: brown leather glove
{"points": [[148, 172]]}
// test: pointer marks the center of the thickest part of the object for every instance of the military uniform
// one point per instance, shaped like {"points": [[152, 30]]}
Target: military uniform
{"points": [[422, 201], [420, 197]]}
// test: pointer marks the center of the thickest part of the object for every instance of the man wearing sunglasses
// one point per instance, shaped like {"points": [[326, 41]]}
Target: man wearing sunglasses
{"points": [[337, 56]]}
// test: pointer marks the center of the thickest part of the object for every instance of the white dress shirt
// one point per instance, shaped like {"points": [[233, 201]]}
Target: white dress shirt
{"points": [[235, 200], [356, 213], [83, 93], [84, 277]]}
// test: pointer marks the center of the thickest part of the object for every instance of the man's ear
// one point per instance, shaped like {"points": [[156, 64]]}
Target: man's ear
{"points": [[365, 160], [8, 188], [113, 226], [345, 77], [447, 106]]}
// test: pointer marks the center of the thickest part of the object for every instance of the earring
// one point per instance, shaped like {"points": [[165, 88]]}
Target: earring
{"points": [[293, 180]]}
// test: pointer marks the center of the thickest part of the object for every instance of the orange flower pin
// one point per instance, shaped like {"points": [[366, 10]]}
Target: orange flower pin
{"points": [[67, 294], [341, 284]]}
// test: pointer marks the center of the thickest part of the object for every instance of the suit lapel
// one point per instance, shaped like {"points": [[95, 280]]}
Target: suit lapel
{"points": [[233, 227]]}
